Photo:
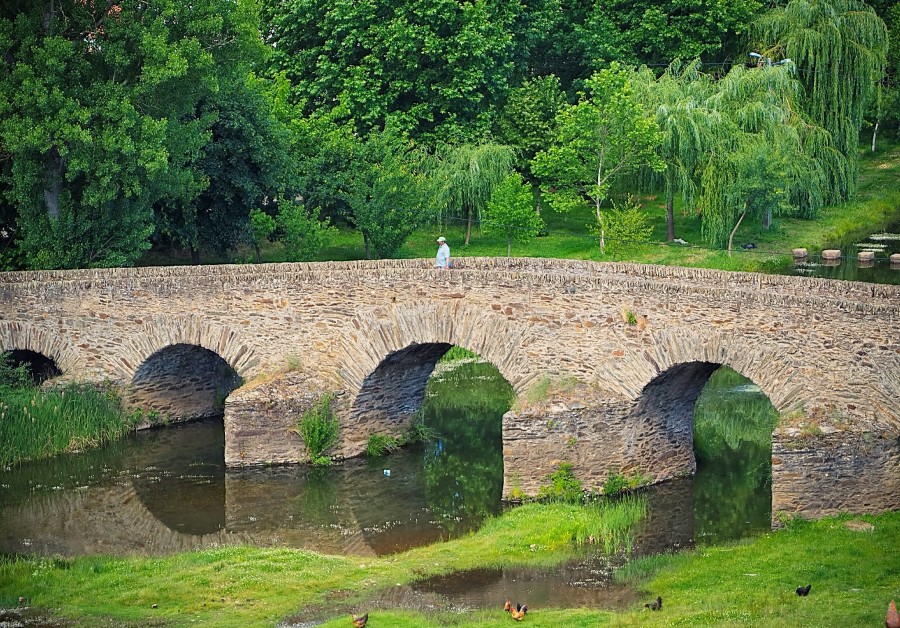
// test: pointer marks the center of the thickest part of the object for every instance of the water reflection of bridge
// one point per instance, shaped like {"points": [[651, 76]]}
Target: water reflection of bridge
{"points": [[132, 515]]}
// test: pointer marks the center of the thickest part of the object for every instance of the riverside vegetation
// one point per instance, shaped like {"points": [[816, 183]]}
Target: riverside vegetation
{"points": [[36, 423], [751, 582], [853, 572]]}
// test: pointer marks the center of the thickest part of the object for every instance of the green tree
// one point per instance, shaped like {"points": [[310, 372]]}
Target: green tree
{"points": [[790, 164], [102, 124], [688, 128], [80, 154], [841, 47], [262, 226], [302, 234], [606, 135], [751, 180], [660, 31], [437, 66], [245, 162], [324, 145], [390, 193], [471, 172], [527, 121], [510, 211]]}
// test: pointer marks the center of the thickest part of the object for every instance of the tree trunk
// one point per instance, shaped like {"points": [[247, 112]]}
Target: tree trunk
{"points": [[508, 246], [733, 231], [536, 191], [874, 135], [54, 183], [258, 255], [195, 256], [767, 219], [469, 226], [600, 226], [368, 248], [670, 214]]}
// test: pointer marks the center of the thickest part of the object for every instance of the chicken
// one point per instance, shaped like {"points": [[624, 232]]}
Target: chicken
{"points": [[804, 591], [892, 619], [518, 613], [359, 620], [507, 605], [655, 606]]}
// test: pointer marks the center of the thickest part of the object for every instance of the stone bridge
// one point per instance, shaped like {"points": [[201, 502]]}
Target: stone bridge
{"points": [[607, 359]]}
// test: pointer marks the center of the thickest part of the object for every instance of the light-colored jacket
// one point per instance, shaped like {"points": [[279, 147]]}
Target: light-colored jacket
{"points": [[442, 260]]}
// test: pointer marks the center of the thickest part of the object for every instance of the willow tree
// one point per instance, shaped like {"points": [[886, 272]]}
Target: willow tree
{"points": [[471, 172], [841, 48], [677, 100], [770, 157]]}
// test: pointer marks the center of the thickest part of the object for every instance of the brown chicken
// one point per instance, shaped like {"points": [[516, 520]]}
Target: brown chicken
{"points": [[892, 619], [360, 620], [518, 613]]}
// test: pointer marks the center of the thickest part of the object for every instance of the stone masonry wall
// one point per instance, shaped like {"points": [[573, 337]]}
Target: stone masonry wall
{"points": [[620, 329]]}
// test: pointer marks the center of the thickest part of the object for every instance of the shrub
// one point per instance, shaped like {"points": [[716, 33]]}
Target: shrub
{"points": [[13, 376], [617, 482], [625, 225], [563, 486], [418, 432], [380, 444], [318, 427]]}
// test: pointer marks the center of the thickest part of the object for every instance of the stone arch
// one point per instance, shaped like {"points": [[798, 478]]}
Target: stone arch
{"points": [[164, 331], [181, 382], [21, 336], [783, 381], [376, 333]]}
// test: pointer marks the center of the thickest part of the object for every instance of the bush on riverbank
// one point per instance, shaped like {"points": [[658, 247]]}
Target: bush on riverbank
{"points": [[37, 423]]}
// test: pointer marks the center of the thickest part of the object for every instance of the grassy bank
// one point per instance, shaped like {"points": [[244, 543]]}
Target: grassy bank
{"points": [[256, 587], [854, 573], [37, 424]]}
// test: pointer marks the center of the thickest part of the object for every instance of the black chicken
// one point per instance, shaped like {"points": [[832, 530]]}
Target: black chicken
{"points": [[654, 606], [804, 591]]}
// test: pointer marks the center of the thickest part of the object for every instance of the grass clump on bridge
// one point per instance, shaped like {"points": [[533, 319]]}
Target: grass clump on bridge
{"points": [[318, 427], [37, 424]]}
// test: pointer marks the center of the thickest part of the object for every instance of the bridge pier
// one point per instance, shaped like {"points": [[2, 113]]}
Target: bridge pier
{"points": [[646, 440], [819, 472]]}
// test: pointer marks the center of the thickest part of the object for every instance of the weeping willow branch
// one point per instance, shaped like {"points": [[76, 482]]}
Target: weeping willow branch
{"points": [[841, 45]]}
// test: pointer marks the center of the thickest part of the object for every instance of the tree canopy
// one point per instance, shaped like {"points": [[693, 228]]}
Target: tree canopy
{"points": [[215, 127]]}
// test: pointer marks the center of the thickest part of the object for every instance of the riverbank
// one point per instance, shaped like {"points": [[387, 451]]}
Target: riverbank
{"points": [[851, 564]]}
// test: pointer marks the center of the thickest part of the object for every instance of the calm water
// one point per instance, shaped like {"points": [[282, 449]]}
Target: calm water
{"points": [[849, 269], [167, 490]]}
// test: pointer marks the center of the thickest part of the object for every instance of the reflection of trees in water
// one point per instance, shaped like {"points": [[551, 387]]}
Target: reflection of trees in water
{"points": [[733, 427], [464, 464], [318, 494]]}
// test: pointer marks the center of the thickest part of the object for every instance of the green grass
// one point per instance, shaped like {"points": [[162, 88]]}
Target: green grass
{"points": [[853, 575], [37, 424], [256, 587]]}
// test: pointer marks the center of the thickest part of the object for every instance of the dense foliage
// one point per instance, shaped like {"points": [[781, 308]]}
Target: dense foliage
{"points": [[201, 126]]}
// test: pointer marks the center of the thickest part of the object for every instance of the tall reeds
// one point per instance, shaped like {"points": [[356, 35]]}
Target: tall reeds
{"points": [[36, 423]]}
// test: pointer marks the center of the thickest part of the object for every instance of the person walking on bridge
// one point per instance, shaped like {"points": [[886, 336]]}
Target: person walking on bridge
{"points": [[442, 259]]}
